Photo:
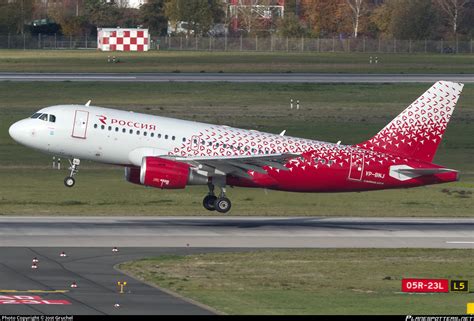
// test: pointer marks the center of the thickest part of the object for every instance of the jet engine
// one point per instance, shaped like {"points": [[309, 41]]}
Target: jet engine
{"points": [[163, 173]]}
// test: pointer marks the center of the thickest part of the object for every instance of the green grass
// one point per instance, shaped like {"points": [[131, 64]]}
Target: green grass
{"points": [[351, 113], [312, 281], [202, 61]]}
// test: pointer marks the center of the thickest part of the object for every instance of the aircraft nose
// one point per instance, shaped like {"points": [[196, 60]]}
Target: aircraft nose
{"points": [[14, 131]]}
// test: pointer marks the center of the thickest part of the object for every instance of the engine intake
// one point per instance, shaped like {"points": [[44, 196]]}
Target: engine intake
{"points": [[132, 175]]}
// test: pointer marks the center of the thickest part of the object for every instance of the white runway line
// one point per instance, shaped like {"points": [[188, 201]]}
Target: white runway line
{"points": [[67, 77], [459, 242]]}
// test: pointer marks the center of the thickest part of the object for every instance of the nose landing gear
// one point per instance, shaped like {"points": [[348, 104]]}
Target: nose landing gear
{"points": [[74, 168], [213, 203]]}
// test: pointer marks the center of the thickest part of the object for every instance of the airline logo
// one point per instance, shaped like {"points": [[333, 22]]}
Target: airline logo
{"points": [[126, 123]]}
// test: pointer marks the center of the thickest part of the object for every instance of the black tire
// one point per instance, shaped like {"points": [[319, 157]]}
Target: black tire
{"points": [[69, 181], [222, 205], [208, 202]]}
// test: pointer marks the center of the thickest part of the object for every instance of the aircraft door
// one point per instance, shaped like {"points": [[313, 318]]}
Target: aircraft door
{"points": [[356, 170], [79, 129]]}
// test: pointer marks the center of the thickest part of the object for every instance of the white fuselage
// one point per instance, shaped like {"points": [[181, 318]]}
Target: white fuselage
{"points": [[122, 137]]}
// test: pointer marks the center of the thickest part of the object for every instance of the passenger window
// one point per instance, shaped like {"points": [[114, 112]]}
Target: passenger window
{"points": [[159, 135], [166, 136], [123, 130], [131, 131], [110, 128], [95, 125], [102, 127], [44, 117], [52, 118], [138, 132], [35, 115], [173, 137], [152, 134], [144, 133], [116, 129], [184, 140]]}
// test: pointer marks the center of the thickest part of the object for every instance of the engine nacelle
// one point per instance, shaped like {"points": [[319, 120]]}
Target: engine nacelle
{"points": [[132, 175], [164, 173]]}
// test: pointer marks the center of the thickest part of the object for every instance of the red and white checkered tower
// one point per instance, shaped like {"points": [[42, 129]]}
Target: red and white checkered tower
{"points": [[264, 10], [118, 39]]}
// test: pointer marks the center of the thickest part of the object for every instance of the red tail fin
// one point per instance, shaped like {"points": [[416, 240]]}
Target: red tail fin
{"points": [[418, 130]]}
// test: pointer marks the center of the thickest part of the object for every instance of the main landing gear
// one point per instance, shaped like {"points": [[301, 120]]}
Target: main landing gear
{"points": [[74, 168], [213, 203]]}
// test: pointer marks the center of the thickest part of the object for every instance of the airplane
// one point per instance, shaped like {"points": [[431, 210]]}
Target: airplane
{"points": [[169, 153]]}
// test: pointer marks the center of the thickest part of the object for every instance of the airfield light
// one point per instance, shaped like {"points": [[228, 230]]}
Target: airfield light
{"points": [[121, 285]]}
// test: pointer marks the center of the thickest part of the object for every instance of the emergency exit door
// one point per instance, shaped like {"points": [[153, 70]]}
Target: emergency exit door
{"points": [[79, 129]]}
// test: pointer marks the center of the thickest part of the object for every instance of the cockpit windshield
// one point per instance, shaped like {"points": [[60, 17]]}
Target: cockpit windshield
{"points": [[44, 117]]}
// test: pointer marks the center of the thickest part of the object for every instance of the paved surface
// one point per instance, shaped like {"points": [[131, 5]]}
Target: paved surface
{"points": [[92, 270], [236, 232], [230, 77]]}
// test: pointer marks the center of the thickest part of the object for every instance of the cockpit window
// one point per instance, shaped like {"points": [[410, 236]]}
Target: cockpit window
{"points": [[44, 117], [35, 115], [52, 118]]}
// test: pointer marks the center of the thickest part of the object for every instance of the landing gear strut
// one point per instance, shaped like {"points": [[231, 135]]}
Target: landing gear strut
{"points": [[210, 199], [74, 168], [213, 203]]}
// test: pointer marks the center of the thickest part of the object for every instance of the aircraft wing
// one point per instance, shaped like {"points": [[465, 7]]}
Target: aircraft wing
{"points": [[237, 165]]}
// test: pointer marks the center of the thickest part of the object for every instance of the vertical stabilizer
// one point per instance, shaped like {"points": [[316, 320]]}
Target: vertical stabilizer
{"points": [[418, 130]]}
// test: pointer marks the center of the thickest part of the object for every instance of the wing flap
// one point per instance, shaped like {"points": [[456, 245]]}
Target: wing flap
{"points": [[237, 165]]}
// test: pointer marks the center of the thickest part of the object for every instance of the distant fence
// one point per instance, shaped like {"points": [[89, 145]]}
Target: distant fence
{"points": [[267, 44]]}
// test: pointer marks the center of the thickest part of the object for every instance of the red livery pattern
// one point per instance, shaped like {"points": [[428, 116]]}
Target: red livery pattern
{"points": [[393, 158]]}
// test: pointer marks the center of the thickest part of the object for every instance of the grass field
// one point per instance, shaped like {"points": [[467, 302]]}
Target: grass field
{"points": [[203, 61], [312, 281], [351, 113]]}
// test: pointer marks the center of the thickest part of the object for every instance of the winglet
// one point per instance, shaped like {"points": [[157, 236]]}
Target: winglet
{"points": [[283, 133], [88, 103]]}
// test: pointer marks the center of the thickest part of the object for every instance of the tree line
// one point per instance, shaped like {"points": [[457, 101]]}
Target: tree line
{"points": [[400, 19]]}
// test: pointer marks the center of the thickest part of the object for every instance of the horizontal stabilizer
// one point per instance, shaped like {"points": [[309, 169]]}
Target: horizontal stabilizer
{"points": [[404, 172], [424, 171]]}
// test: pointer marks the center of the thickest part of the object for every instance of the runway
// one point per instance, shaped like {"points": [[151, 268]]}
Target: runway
{"points": [[47, 289], [238, 78], [236, 232], [89, 261]]}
